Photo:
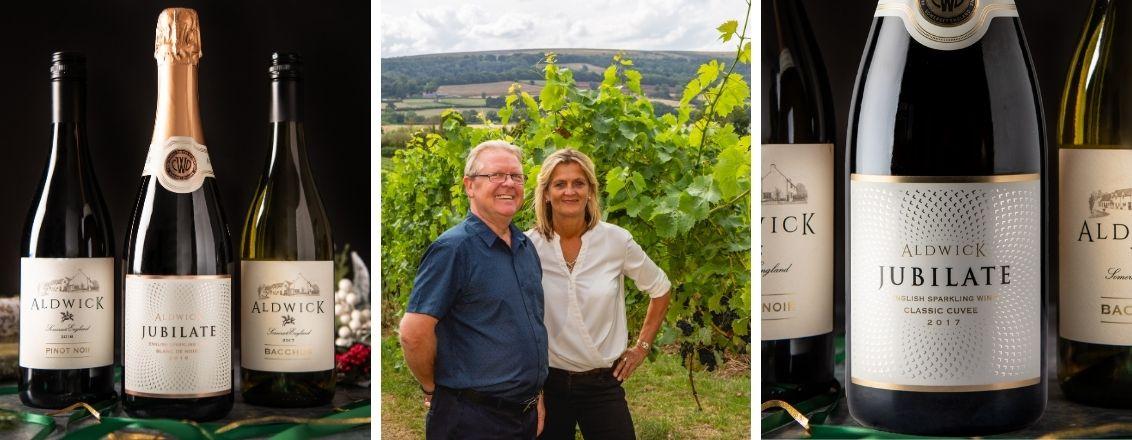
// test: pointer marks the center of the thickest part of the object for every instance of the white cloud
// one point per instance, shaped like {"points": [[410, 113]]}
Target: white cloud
{"points": [[433, 26]]}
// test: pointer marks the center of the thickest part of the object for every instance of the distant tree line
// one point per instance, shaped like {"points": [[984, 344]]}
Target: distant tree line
{"points": [[403, 77]]}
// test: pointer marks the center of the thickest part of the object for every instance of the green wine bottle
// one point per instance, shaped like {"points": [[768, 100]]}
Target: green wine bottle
{"points": [[1094, 343], [287, 305]]}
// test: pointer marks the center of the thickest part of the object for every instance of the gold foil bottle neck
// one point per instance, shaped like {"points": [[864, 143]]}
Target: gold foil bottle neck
{"points": [[178, 37]]}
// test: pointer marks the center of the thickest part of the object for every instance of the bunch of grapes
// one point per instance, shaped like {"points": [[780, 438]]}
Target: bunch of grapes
{"points": [[352, 316]]}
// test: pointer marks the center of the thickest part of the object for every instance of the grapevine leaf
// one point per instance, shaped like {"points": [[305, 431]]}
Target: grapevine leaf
{"points": [[703, 190], [639, 181], [732, 93], [635, 205], [552, 96], [741, 326], [732, 164], [693, 207], [609, 78], [703, 335], [628, 132], [614, 181], [505, 115], [706, 75], [602, 125], [634, 81], [727, 30], [714, 299], [532, 106], [665, 225], [745, 54]]}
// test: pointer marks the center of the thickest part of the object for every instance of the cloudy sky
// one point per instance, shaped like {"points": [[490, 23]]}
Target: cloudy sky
{"points": [[414, 27]]}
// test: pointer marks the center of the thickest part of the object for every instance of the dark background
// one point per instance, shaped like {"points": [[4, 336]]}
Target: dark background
{"points": [[1052, 29], [237, 38]]}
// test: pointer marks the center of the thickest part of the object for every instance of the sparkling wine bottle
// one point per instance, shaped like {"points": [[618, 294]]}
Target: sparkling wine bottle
{"points": [[179, 259], [946, 223]]}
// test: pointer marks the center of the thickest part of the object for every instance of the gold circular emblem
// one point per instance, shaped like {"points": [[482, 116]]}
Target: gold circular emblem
{"points": [[948, 12], [180, 164]]}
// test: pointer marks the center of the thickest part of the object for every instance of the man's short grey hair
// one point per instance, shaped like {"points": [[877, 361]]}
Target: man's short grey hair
{"points": [[472, 166]]}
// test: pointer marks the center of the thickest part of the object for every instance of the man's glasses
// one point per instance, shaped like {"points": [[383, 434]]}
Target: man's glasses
{"points": [[500, 177]]}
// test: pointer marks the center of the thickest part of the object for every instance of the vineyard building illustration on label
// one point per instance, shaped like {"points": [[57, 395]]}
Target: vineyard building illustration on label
{"points": [[777, 188], [79, 282], [1100, 202], [300, 286]]}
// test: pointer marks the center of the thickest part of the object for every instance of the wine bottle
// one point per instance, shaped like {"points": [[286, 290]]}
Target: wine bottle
{"points": [[1095, 348], [179, 259], [287, 268], [946, 223], [67, 269], [797, 209]]}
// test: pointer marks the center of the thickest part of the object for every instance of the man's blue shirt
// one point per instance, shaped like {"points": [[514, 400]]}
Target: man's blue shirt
{"points": [[488, 299]]}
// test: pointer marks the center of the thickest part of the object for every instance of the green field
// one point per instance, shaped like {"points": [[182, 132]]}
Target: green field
{"points": [[428, 103], [659, 397], [438, 111]]}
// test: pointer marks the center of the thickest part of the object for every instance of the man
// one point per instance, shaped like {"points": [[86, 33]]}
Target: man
{"points": [[473, 334]]}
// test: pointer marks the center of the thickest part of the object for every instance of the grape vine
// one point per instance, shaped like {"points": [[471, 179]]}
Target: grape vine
{"points": [[680, 183]]}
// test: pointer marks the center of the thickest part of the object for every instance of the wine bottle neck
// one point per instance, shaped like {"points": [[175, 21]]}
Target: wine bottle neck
{"points": [[177, 111], [286, 100], [288, 146], [68, 101]]}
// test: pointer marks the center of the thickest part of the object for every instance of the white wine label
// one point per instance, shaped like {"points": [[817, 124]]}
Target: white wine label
{"points": [[66, 313], [946, 24], [945, 278], [180, 164], [797, 240], [287, 315], [1096, 246], [178, 336]]}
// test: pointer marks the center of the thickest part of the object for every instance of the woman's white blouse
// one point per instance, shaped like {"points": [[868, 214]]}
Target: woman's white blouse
{"points": [[585, 309]]}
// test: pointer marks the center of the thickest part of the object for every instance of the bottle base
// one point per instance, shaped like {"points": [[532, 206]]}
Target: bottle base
{"points": [[960, 414], [202, 409], [55, 389], [1095, 374], [287, 390]]}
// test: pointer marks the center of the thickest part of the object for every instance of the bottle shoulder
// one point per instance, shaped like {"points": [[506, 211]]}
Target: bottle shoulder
{"points": [[970, 111]]}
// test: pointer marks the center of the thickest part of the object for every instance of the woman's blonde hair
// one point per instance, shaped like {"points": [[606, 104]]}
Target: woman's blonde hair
{"points": [[544, 213]]}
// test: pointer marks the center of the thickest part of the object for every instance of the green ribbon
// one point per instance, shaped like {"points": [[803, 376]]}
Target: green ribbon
{"points": [[855, 432], [187, 430], [48, 424], [309, 430]]}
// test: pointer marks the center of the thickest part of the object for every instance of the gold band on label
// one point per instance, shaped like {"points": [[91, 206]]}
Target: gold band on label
{"points": [[948, 388], [178, 277], [998, 178], [178, 396]]}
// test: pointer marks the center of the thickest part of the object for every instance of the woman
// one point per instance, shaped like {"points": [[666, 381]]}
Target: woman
{"points": [[584, 261]]}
